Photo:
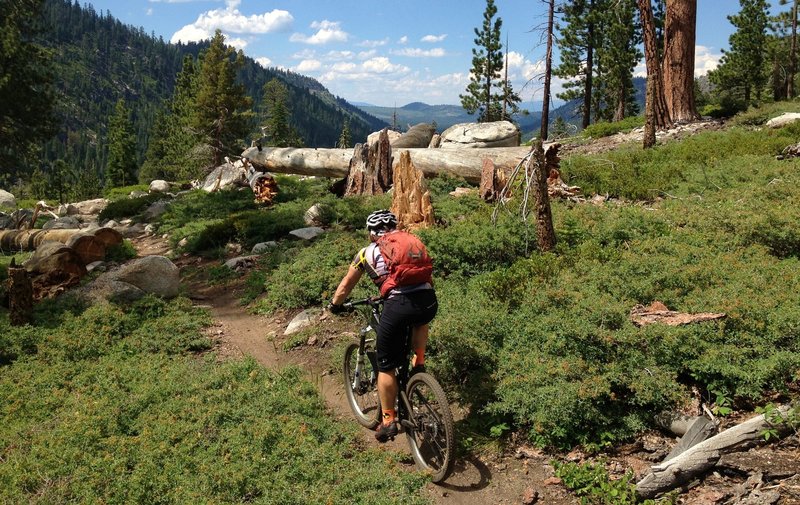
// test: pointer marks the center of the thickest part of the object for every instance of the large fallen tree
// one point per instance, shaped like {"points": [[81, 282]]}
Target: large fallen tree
{"points": [[462, 162]]}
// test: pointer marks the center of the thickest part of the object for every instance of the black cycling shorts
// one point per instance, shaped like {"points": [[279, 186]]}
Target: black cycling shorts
{"points": [[399, 312]]}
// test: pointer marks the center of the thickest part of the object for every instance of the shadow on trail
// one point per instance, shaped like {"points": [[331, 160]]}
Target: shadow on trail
{"points": [[469, 474]]}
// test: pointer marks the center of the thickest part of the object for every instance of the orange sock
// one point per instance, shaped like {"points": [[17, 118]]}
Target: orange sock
{"points": [[388, 416], [419, 357]]}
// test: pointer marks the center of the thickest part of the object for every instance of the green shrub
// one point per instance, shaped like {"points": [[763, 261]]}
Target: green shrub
{"points": [[757, 116], [122, 193], [121, 252], [312, 272], [605, 129], [592, 483], [128, 207]]}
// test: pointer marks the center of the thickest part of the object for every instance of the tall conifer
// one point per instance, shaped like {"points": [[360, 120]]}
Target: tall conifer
{"points": [[222, 109], [485, 92], [121, 167], [741, 69]]}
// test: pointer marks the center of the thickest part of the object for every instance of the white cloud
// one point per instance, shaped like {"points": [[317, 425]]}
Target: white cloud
{"points": [[263, 61], [327, 31], [434, 38], [305, 54], [149, 11], [382, 65], [373, 43], [339, 55], [343, 67], [437, 52], [308, 66], [403, 40], [230, 20], [237, 42], [365, 55], [704, 60]]}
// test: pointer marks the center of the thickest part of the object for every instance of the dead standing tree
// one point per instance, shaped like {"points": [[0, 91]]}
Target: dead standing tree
{"points": [[529, 180]]}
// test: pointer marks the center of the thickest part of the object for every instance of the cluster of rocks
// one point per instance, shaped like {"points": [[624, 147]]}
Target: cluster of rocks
{"points": [[469, 135]]}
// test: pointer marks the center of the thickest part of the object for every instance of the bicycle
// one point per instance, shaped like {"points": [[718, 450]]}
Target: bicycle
{"points": [[423, 410]]}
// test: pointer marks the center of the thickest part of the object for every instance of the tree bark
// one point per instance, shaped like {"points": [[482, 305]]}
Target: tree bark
{"points": [[29, 240], [465, 163], [793, 54], [660, 112], [548, 70], [545, 160], [587, 85], [679, 45], [20, 295], [411, 200], [701, 457]]}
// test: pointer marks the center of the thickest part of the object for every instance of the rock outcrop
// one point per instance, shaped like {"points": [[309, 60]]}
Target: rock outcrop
{"points": [[481, 135]]}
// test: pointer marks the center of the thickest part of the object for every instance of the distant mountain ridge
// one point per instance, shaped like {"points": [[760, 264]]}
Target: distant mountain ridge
{"points": [[443, 115]]}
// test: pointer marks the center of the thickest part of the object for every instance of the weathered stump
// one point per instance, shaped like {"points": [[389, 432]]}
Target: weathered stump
{"points": [[411, 200], [20, 295], [371, 168]]}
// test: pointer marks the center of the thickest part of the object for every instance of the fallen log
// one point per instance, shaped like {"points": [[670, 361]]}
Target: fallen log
{"points": [[700, 458], [29, 240], [460, 162]]}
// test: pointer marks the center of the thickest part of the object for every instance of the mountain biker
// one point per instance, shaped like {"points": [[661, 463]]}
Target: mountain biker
{"points": [[405, 305]]}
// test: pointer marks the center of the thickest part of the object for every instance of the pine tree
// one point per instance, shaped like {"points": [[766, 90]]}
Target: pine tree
{"points": [[344, 138], [121, 167], [617, 55], [277, 128], [222, 109], [26, 90], [577, 43], [487, 63], [741, 70]]}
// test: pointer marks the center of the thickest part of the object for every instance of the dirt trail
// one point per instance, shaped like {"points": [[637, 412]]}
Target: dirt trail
{"points": [[474, 481]]}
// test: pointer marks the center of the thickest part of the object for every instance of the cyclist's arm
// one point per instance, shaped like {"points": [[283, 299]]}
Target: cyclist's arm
{"points": [[346, 286]]}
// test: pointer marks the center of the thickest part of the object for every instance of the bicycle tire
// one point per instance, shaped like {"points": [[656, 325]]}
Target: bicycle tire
{"points": [[363, 401], [432, 440]]}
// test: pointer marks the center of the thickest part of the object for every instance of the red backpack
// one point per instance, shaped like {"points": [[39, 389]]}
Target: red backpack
{"points": [[407, 260]]}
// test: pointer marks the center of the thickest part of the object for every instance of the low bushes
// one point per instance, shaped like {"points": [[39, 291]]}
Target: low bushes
{"points": [[110, 404], [605, 129]]}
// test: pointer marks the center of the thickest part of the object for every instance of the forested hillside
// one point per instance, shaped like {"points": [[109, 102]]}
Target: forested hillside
{"points": [[98, 60]]}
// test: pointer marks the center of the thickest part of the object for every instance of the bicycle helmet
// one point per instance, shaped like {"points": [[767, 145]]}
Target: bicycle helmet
{"points": [[380, 221]]}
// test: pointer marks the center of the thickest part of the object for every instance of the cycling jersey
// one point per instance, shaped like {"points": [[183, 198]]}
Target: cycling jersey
{"points": [[370, 260]]}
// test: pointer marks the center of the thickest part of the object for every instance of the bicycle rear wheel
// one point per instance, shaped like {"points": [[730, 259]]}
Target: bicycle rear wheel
{"points": [[362, 393], [432, 440]]}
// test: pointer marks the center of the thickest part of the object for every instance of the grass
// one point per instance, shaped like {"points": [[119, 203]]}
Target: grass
{"points": [[113, 404]]}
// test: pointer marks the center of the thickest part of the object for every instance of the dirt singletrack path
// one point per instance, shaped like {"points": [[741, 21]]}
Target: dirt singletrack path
{"points": [[474, 480]]}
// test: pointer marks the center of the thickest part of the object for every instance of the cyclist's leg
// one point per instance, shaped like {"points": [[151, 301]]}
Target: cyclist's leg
{"points": [[390, 350], [426, 305]]}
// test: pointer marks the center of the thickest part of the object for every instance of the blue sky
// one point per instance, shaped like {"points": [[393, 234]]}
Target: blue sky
{"points": [[383, 53]]}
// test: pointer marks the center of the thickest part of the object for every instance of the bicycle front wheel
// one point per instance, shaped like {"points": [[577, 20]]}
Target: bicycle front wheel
{"points": [[432, 438], [362, 392]]}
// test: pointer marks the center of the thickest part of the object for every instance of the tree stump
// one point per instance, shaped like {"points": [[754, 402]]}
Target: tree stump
{"points": [[20, 295], [493, 181], [371, 168], [411, 200], [545, 161]]}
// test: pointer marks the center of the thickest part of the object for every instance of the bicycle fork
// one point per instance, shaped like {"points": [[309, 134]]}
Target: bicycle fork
{"points": [[356, 385]]}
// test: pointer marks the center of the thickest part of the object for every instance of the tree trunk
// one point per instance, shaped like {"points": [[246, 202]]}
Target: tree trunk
{"points": [[701, 457], [459, 162], [411, 200], [661, 118], [649, 139], [29, 240], [619, 112], [548, 72], [20, 295], [793, 54], [679, 45], [545, 160], [587, 86], [371, 168]]}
